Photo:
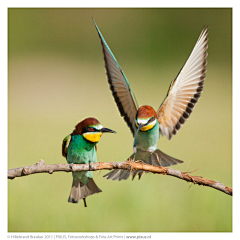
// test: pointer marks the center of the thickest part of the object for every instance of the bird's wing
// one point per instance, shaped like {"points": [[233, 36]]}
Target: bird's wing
{"points": [[185, 89], [119, 85], [65, 145]]}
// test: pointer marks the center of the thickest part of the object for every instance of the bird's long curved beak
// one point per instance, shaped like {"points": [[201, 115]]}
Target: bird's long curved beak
{"points": [[139, 127], [104, 130]]}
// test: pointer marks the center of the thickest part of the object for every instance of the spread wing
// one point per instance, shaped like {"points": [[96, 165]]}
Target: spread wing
{"points": [[119, 85], [65, 145], [185, 89]]}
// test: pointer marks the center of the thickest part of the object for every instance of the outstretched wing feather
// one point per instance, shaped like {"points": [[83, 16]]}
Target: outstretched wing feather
{"points": [[185, 89], [119, 85]]}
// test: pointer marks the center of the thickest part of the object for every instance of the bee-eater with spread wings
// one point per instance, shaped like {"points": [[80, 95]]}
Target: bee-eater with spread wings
{"points": [[146, 125], [80, 148]]}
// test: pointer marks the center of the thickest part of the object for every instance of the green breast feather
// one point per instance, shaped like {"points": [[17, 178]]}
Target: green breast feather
{"points": [[80, 151]]}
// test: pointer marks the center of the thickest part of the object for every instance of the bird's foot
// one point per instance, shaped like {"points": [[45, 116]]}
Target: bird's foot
{"points": [[131, 159], [72, 167], [90, 166]]}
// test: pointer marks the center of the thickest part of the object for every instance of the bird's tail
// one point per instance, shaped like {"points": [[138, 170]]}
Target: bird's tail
{"points": [[119, 174], [157, 158], [81, 191]]}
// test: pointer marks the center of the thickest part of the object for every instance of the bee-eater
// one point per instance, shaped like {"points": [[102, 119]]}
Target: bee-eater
{"points": [[146, 125], [79, 147]]}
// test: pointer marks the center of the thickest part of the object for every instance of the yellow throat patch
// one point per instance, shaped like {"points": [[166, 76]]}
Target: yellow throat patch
{"points": [[92, 137], [147, 127]]}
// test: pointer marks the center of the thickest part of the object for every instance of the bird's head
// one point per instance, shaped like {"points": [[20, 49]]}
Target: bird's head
{"points": [[91, 129], [146, 118]]}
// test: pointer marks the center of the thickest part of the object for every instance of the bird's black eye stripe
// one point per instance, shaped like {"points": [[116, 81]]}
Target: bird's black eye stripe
{"points": [[84, 130], [89, 129], [150, 120]]}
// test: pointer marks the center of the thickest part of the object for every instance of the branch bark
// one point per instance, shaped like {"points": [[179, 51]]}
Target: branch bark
{"points": [[41, 167]]}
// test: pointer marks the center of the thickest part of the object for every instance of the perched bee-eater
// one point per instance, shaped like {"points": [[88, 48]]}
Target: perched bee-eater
{"points": [[80, 148], [146, 125]]}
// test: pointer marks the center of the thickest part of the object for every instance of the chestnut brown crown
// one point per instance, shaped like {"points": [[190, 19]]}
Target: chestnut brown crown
{"points": [[86, 123], [146, 112]]}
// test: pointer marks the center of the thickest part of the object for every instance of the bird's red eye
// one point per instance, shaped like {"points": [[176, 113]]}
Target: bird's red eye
{"points": [[92, 129]]}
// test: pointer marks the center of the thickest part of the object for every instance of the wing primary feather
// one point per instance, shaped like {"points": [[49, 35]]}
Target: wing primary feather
{"points": [[119, 85], [185, 89]]}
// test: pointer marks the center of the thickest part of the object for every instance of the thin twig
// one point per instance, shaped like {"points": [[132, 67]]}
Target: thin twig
{"points": [[41, 167]]}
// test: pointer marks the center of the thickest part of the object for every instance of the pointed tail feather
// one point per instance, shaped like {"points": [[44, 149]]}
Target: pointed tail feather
{"points": [[157, 158], [84, 201], [137, 172], [81, 191], [118, 175]]}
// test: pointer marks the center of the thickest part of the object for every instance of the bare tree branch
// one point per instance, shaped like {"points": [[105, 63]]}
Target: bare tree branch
{"points": [[41, 167]]}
